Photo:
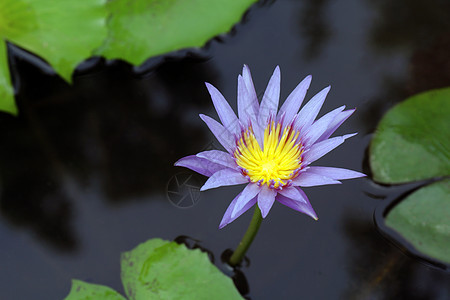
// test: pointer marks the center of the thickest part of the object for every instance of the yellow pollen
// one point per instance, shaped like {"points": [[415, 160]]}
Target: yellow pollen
{"points": [[277, 163]]}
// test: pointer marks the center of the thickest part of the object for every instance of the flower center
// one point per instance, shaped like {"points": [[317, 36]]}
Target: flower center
{"points": [[277, 163]]}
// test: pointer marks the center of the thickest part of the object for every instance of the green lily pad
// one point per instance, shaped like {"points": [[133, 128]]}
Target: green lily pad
{"points": [[159, 269], [6, 91], [87, 291], [423, 218], [63, 33], [412, 141], [139, 29]]}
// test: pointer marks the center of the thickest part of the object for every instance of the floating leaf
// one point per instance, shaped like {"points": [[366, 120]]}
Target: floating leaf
{"points": [[6, 91], [85, 291], [423, 218], [63, 33], [139, 29], [159, 269], [412, 141]]}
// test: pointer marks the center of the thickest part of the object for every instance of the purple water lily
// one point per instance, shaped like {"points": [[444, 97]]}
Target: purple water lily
{"points": [[270, 151]]}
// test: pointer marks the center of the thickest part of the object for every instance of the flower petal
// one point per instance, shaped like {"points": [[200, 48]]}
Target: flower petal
{"points": [[199, 165], [335, 173], [224, 177], [293, 193], [336, 123], [302, 206], [320, 149], [269, 103], [293, 102], [227, 219], [249, 192], [309, 112], [225, 112], [253, 101], [224, 137], [316, 130], [310, 179], [218, 157], [246, 109], [247, 76], [266, 197]]}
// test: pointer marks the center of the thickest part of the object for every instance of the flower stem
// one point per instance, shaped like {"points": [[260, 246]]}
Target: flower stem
{"points": [[247, 240]]}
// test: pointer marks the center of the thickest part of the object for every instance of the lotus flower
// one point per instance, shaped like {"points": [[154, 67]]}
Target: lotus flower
{"points": [[268, 150]]}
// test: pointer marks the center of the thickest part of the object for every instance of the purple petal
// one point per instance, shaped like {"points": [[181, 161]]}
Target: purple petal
{"points": [[266, 197], [316, 130], [225, 112], [320, 149], [218, 157], [336, 123], [269, 103], [335, 173], [309, 112], [302, 206], [293, 102], [227, 219], [247, 76], [224, 177], [246, 109], [224, 137], [249, 192], [310, 179], [199, 165], [292, 192]]}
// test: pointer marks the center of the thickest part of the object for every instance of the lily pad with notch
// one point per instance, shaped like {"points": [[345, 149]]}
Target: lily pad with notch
{"points": [[412, 143]]}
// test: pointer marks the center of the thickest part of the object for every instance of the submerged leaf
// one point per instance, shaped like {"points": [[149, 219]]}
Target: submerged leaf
{"points": [[423, 218], [83, 291], [412, 141], [139, 29], [159, 269]]}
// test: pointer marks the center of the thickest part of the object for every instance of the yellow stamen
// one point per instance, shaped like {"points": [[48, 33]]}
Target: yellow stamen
{"points": [[278, 162]]}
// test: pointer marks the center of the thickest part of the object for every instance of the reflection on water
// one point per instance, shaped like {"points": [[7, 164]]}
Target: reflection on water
{"points": [[313, 27], [108, 126], [390, 275], [408, 23], [430, 66]]}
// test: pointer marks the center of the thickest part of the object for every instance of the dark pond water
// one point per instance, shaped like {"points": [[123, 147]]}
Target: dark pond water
{"points": [[85, 169]]}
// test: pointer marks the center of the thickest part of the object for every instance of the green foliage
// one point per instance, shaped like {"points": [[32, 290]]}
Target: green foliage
{"points": [[64, 33], [166, 270], [159, 269], [423, 219], [412, 141], [87, 291], [6, 91], [143, 28]]}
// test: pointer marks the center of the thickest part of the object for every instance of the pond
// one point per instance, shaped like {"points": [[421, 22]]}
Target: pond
{"points": [[86, 170]]}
